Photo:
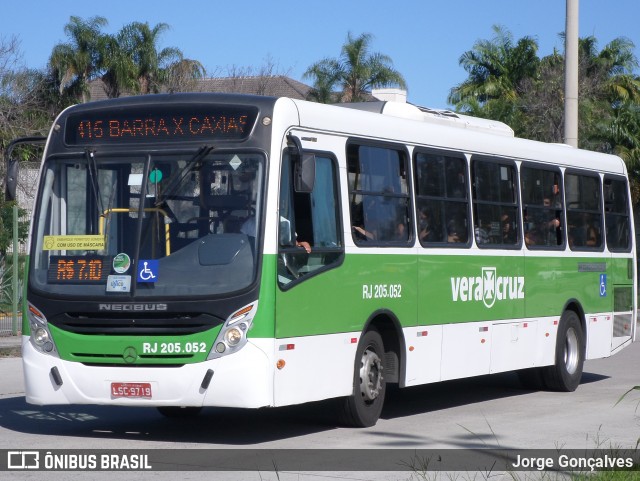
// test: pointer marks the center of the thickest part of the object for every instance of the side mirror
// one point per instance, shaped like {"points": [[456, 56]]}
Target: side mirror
{"points": [[304, 167], [286, 237], [11, 182], [304, 173], [13, 167]]}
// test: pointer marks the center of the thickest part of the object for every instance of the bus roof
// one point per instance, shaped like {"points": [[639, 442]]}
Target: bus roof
{"points": [[442, 130], [397, 122]]}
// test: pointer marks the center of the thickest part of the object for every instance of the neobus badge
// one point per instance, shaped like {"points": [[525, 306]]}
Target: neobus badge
{"points": [[132, 307], [488, 287]]}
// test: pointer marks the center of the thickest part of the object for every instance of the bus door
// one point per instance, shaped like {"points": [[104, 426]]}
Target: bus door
{"points": [[618, 233], [310, 302]]}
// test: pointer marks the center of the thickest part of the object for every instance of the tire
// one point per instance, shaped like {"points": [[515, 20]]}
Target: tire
{"points": [[179, 412], [566, 373], [363, 407]]}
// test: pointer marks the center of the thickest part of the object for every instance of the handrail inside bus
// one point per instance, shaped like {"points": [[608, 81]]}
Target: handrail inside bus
{"points": [[146, 209]]}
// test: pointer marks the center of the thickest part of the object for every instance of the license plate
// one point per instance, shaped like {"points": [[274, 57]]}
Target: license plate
{"points": [[131, 389]]}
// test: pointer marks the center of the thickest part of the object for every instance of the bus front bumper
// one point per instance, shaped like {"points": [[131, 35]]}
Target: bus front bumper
{"points": [[243, 379]]}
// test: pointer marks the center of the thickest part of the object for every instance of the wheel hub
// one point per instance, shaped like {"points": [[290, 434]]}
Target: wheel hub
{"points": [[571, 351], [370, 375]]}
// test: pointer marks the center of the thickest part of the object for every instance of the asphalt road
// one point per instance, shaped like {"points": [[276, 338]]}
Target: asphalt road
{"points": [[486, 412]]}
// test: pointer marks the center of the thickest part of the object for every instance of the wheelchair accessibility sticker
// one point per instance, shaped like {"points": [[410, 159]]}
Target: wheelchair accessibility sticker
{"points": [[148, 270], [603, 285]]}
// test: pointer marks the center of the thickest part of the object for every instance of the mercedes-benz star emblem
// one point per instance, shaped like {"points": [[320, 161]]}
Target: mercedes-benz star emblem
{"points": [[130, 355]]}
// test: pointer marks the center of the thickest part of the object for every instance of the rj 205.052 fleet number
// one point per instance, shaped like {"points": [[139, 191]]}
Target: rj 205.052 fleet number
{"points": [[381, 291], [173, 347]]}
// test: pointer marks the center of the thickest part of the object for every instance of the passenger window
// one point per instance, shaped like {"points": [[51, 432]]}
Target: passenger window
{"points": [[442, 199], [310, 238], [495, 204], [584, 211], [379, 196], [542, 207], [617, 217]]}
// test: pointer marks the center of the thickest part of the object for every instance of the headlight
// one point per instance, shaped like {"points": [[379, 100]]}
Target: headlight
{"points": [[40, 336], [233, 336]]}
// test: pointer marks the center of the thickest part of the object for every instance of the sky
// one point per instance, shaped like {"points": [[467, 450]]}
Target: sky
{"points": [[424, 38]]}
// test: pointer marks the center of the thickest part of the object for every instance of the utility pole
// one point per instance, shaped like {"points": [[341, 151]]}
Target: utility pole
{"points": [[571, 75]]}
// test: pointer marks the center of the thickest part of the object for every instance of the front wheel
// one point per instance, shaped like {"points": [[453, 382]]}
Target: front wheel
{"points": [[363, 407], [566, 373]]}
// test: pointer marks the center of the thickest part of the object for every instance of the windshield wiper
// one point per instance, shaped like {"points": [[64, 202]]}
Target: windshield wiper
{"points": [[92, 168], [193, 164]]}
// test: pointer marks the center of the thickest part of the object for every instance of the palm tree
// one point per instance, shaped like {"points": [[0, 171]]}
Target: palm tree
{"points": [[79, 61], [181, 75], [133, 63], [355, 72], [120, 69], [496, 68], [327, 75], [140, 41]]}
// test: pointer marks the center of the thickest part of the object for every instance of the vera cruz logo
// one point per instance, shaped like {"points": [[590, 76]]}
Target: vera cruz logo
{"points": [[488, 287]]}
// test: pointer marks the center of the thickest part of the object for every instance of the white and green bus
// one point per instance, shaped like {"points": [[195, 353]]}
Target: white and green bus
{"points": [[222, 250]]}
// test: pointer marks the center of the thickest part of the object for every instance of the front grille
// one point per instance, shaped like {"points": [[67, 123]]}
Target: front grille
{"points": [[138, 325]]}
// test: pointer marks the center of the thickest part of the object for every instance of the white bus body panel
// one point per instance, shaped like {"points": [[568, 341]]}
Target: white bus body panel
{"points": [[423, 361], [599, 335], [513, 345], [316, 367], [466, 350], [240, 380]]}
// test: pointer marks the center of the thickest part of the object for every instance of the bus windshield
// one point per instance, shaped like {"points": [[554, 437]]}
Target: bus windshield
{"points": [[148, 224]]}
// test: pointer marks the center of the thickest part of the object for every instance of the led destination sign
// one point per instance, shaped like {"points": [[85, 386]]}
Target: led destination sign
{"points": [[160, 124]]}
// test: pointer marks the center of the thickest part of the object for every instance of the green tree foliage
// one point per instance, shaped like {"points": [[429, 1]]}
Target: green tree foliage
{"points": [[129, 61], [6, 226], [354, 73], [140, 41], [28, 98], [79, 61], [496, 68], [508, 82]]}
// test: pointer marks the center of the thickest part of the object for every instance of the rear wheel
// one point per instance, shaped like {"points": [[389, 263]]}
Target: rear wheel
{"points": [[566, 373], [363, 407]]}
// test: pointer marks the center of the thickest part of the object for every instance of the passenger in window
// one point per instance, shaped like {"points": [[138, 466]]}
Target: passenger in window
{"points": [[401, 232], [508, 231], [539, 229], [482, 232], [357, 215], [550, 227], [249, 228], [586, 234], [426, 231], [530, 237], [456, 232], [556, 199], [530, 231], [593, 237], [304, 244], [362, 234], [369, 220]]}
